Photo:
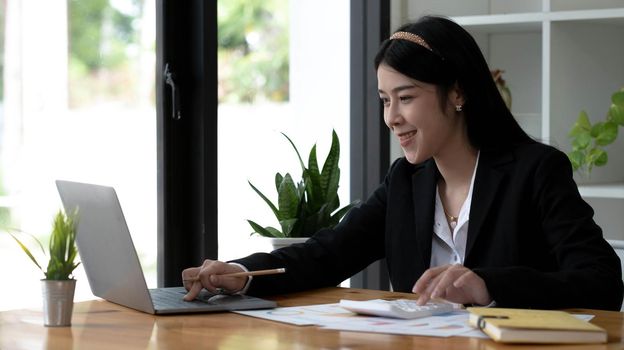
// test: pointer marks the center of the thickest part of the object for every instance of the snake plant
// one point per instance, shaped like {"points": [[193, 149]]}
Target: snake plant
{"points": [[309, 205]]}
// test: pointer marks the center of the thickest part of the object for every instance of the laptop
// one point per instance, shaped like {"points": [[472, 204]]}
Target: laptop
{"points": [[112, 265]]}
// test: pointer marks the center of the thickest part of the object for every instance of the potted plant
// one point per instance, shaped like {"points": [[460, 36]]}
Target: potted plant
{"points": [[501, 85], [306, 206], [58, 285], [588, 140]]}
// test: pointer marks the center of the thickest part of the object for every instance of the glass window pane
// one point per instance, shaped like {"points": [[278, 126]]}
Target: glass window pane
{"points": [[77, 104], [288, 72]]}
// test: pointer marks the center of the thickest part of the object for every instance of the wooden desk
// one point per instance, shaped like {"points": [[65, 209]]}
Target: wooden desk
{"points": [[103, 325]]}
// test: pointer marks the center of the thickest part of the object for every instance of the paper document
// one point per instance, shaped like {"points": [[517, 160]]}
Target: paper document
{"points": [[301, 315], [332, 316]]}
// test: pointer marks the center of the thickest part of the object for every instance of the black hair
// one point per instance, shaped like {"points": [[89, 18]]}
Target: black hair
{"points": [[455, 58]]}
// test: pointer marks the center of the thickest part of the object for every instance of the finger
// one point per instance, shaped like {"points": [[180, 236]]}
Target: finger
{"points": [[193, 277], [425, 295], [194, 291], [447, 280], [188, 275], [230, 284], [463, 280], [199, 278], [204, 277], [425, 279], [423, 298], [211, 279], [475, 289], [190, 272]]}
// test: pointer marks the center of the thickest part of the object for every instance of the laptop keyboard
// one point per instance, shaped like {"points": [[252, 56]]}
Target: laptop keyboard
{"points": [[169, 300], [172, 298]]}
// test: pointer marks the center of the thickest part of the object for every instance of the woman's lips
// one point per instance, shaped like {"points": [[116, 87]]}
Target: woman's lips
{"points": [[406, 138]]}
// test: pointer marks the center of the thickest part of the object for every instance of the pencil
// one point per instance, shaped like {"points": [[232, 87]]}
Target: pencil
{"points": [[244, 274]]}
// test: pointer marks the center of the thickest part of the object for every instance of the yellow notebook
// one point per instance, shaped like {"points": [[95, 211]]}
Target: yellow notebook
{"points": [[534, 326]]}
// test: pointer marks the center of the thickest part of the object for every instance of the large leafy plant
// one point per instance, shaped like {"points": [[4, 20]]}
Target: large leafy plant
{"points": [[62, 248], [310, 204], [588, 140]]}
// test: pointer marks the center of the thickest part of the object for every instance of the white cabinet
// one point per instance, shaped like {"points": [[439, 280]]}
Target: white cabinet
{"points": [[559, 57]]}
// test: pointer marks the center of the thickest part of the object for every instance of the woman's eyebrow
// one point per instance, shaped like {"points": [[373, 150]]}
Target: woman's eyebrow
{"points": [[400, 88]]}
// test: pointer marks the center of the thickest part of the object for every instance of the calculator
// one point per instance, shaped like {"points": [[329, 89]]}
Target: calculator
{"points": [[397, 308]]}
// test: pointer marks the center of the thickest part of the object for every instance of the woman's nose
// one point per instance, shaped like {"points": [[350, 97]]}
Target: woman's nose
{"points": [[392, 116]]}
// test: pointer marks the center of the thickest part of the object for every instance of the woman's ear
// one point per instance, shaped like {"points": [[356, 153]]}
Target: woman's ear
{"points": [[456, 95]]}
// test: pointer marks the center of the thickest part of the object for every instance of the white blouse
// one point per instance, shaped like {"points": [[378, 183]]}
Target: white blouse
{"points": [[449, 247]]}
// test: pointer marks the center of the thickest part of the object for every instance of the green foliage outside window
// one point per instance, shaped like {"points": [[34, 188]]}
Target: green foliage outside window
{"points": [[99, 33], [253, 50], [102, 43], [5, 212]]}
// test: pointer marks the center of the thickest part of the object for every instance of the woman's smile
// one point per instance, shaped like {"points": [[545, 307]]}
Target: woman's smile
{"points": [[406, 138]]}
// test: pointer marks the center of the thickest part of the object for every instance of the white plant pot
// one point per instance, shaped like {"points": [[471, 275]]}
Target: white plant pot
{"points": [[277, 243], [58, 302], [269, 244]]}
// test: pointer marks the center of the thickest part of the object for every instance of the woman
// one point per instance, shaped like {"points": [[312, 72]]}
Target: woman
{"points": [[476, 212]]}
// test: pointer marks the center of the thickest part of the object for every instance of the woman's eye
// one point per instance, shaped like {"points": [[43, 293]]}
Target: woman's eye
{"points": [[385, 101], [405, 98]]}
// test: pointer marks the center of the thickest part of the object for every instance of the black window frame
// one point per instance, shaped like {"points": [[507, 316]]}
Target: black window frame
{"points": [[370, 141], [186, 43]]}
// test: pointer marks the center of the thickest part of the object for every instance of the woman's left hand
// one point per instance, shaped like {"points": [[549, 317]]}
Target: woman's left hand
{"points": [[455, 283]]}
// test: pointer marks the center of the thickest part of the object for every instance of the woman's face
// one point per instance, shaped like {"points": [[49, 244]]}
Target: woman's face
{"points": [[412, 112]]}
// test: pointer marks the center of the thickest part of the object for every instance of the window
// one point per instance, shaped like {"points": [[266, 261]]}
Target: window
{"points": [[77, 104], [283, 67]]}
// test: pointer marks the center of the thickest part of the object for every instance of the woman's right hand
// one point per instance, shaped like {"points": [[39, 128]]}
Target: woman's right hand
{"points": [[208, 276]]}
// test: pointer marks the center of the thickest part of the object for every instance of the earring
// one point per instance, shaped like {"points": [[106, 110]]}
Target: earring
{"points": [[458, 108]]}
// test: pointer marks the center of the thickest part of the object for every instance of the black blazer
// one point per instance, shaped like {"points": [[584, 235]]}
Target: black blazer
{"points": [[531, 236]]}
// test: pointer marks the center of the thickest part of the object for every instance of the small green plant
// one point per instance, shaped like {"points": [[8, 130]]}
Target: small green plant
{"points": [[309, 205], [62, 248], [588, 140]]}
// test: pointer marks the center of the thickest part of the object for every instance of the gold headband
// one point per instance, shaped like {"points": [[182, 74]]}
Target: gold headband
{"points": [[416, 39]]}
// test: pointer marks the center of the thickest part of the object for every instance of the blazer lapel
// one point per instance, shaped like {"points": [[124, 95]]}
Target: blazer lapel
{"points": [[487, 182], [423, 192]]}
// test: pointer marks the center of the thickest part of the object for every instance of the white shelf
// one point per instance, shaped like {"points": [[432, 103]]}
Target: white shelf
{"points": [[531, 20], [528, 22], [611, 190], [616, 243], [527, 115], [615, 14]]}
